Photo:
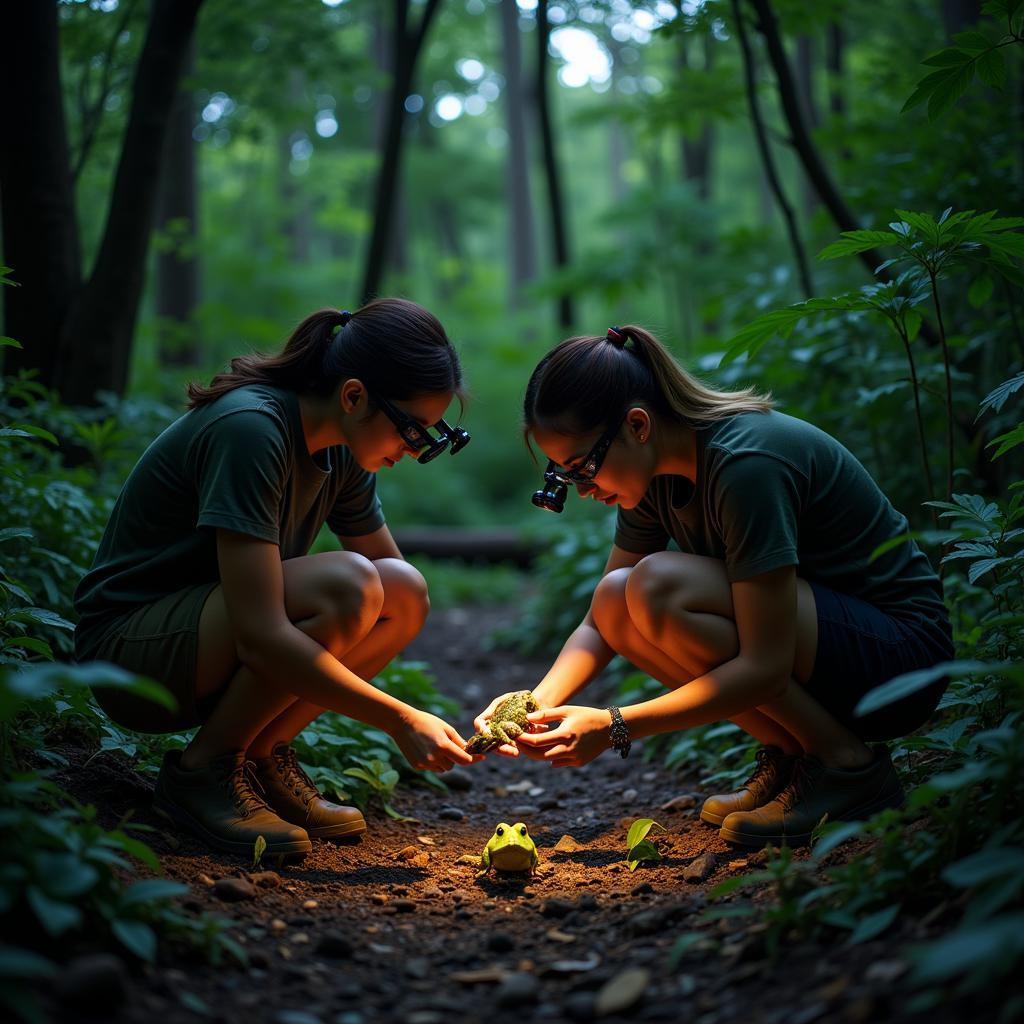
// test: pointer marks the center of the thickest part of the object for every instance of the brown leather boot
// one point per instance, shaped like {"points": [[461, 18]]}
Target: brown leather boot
{"points": [[218, 803], [770, 775], [291, 792]]}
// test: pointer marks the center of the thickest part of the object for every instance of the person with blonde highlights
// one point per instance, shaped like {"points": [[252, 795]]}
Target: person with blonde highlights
{"points": [[771, 613], [204, 581]]}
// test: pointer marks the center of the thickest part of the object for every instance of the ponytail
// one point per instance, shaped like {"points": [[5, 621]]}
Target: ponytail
{"points": [[585, 381], [395, 347]]}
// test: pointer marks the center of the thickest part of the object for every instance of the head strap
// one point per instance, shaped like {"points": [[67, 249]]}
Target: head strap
{"points": [[617, 337], [344, 317]]}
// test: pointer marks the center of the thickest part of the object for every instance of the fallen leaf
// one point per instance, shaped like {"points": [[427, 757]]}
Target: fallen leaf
{"points": [[557, 936], [626, 989], [572, 966], [425, 840]]}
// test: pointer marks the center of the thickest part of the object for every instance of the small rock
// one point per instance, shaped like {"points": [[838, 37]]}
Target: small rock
{"points": [[296, 1017], [310, 905], [641, 889], [380, 898], [234, 890], [559, 936], [623, 991], [408, 852], [759, 857], [265, 879], [500, 942], [334, 945], [579, 1005], [425, 840], [700, 868], [98, 981], [300, 938], [522, 786], [567, 844], [629, 795], [277, 925], [524, 811], [683, 802], [418, 967], [885, 971], [469, 858], [737, 865], [451, 813], [549, 803], [404, 906], [431, 892], [588, 901], [480, 976], [205, 879], [555, 907], [517, 989], [649, 776], [458, 779], [260, 959], [421, 860], [349, 1016]]}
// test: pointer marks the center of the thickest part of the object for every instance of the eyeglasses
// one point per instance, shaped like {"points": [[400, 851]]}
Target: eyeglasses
{"points": [[418, 438], [557, 478]]}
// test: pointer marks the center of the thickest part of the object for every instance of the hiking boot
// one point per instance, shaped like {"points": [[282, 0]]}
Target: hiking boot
{"points": [[218, 803], [769, 778], [291, 792], [815, 792]]}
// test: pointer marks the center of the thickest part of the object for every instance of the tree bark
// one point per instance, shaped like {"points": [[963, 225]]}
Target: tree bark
{"points": [[406, 46], [559, 231], [767, 160], [697, 152], [177, 268], [522, 245], [40, 233], [96, 339]]}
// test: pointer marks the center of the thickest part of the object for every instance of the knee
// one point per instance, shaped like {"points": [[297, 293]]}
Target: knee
{"points": [[405, 593], [656, 596], [352, 588], [608, 607]]}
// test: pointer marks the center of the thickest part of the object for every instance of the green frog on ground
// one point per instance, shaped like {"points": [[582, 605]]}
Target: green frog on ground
{"points": [[507, 722], [510, 849]]}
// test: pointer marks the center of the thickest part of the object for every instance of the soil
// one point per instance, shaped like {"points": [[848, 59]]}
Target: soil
{"points": [[368, 931]]}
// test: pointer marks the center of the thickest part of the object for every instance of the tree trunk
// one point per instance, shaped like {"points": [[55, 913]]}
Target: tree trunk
{"points": [[559, 233], [406, 45], [834, 44], [522, 247], [805, 86], [177, 268], [40, 231], [96, 338]]}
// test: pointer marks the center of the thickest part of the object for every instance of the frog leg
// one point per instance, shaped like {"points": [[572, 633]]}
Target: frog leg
{"points": [[507, 732], [485, 863]]}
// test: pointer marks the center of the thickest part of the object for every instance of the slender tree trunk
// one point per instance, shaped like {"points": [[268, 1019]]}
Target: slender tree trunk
{"points": [[297, 219], [834, 46], [177, 268], [406, 46], [97, 334], [559, 231], [522, 246], [767, 160], [40, 232], [805, 83], [697, 152]]}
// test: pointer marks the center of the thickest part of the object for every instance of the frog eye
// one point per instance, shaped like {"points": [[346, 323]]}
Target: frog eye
{"points": [[522, 830], [500, 830]]}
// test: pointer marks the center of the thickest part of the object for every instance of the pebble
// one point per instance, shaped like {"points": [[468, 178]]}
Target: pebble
{"points": [[500, 942], [380, 898], [555, 907], [642, 889], [404, 906], [260, 959], [451, 813], [588, 901], [623, 991], [425, 840], [567, 844], [265, 879], [549, 803], [629, 795], [418, 967], [277, 925], [700, 868], [683, 802], [579, 1005], [234, 890], [310, 905], [649, 776], [205, 879], [517, 989], [458, 779], [297, 1017], [98, 981], [524, 811]]}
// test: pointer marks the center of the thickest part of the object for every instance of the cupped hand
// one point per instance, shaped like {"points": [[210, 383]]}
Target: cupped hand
{"points": [[429, 743], [507, 749], [578, 735]]}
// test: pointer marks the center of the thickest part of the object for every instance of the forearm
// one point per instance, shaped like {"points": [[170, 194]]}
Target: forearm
{"points": [[583, 657], [313, 674], [727, 690]]}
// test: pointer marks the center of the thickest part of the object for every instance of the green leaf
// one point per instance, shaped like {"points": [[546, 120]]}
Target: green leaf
{"points": [[54, 915], [639, 829], [984, 947], [975, 42], [30, 643], [985, 866], [991, 68], [873, 925], [150, 890], [1008, 441], [924, 89], [259, 848], [644, 850], [910, 682], [23, 963], [14, 532], [948, 91], [137, 937], [949, 58], [682, 946], [998, 397], [836, 834], [853, 242], [9, 343]]}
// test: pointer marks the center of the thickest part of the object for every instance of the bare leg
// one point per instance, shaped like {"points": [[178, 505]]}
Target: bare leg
{"points": [[405, 607], [685, 601], [335, 598]]}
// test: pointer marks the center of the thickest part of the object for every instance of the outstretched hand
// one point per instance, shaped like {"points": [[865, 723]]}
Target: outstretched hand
{"points": [[579, 735], [430, 744]]}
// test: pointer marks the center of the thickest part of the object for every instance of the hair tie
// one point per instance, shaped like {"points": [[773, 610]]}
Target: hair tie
{"points": [[344, 316], [617, 337]]}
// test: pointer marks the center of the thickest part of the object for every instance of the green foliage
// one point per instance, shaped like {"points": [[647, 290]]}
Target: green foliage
{"points": [[640, 849]]}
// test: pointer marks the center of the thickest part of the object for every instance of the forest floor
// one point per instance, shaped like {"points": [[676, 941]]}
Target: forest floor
{"points": [[394, 927]]}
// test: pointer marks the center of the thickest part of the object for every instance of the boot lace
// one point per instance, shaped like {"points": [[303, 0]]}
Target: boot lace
{"points": [[241, 783], [763, 770], [293, 776], [805, 774]]}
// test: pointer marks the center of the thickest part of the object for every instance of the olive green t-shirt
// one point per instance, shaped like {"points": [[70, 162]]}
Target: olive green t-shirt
{"points": [[771, 491], [239, 463]]}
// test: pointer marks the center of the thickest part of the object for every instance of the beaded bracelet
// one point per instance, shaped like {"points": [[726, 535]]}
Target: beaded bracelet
{"points": [[619, 732]]}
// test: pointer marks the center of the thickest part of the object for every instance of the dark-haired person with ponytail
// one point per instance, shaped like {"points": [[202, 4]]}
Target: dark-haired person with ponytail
{"points": [[771, 612], [203, 580]]}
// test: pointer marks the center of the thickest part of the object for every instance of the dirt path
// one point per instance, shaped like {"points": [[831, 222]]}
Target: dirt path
{"points": [[395, 928]]}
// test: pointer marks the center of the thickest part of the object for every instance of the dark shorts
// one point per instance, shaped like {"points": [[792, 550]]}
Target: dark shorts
{"points": [[859, 648], [161, 641]]}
